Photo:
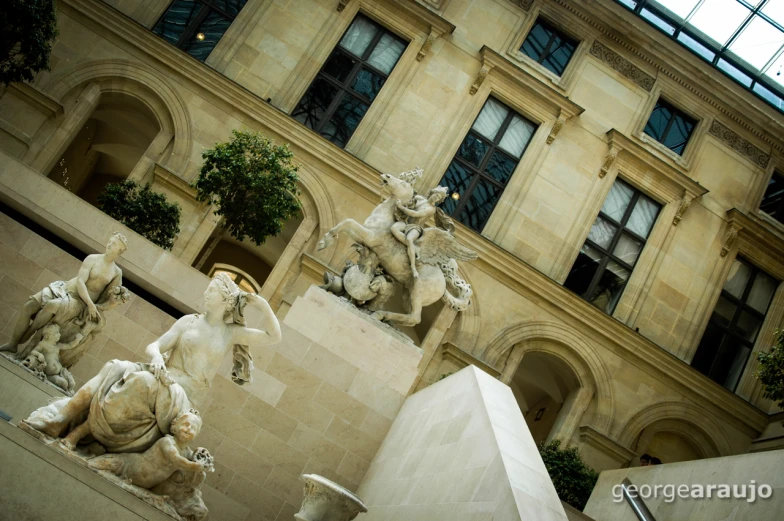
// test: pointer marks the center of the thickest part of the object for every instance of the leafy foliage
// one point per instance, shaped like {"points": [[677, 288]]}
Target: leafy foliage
{"points": [[771, 371], [146, 212], [573, 479], [253, 184], [27, 28]]}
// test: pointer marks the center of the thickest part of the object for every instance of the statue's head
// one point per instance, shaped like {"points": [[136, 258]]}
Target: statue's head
{"points": [[223, 294], [397, 188], [117, 244], [186, 425], [438, 194], [51, 332]]}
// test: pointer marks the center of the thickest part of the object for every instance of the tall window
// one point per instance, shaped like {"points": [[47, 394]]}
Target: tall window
{"points": [[773, 200], [342, 92], [241, 279], [547, 45], [669, 126], [196, 26], [729, 339], [613, 246], [485, 162]]}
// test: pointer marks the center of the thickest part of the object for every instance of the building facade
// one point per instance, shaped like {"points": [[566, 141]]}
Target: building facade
{"points": [[621, 192]]}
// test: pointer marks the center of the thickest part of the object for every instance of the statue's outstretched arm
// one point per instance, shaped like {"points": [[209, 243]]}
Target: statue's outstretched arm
{"points": [[269, 335], [165, 343]]}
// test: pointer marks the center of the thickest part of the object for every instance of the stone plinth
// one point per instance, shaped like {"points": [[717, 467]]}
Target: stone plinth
{"points": [[21, 392], [39, 483], [460, 450]]}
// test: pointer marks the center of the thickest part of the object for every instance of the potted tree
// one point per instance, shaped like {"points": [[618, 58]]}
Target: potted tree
{"points": [[771, 371], [572, 478], [27, 28]]}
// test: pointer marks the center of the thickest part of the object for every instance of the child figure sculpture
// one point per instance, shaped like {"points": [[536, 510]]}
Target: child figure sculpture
{"points": [[409, 230], [45, 358], [157, 464]]}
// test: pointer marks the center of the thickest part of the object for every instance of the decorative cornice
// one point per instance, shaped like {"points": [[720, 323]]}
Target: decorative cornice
{"points": [[463, 359], [622, 65], [683, 76], [757, 240], [606, 445], [525, 5], [740, 145]]}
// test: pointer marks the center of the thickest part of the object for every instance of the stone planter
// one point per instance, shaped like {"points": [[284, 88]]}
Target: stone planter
{"points": [[325, 500]]}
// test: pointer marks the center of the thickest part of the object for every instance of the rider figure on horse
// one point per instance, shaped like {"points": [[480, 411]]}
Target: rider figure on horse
{"points": [[409, 229]]}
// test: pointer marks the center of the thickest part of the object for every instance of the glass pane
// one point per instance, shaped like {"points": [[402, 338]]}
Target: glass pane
{"points": [[247, 287], [367, 83], [500, 167], [584, 270], [602, 233], [345, 120], [627, 249], [643, 216], [718, 19], [207, 35], [657, 123], [696, 46], [387, 52], [560, 53], [724, 312], [773, 200], [617, 200], [709, 346], [737, 279], [517, 136], [359, 36], [339, 66], [230, 7], [680, 8], [610, 287], [658, 21], [761, 292], [536, 41], [678, 133], [775, 10], [473, 149], [490, 119], [729, 363], [457, 178], [481, 202], [176, 18], [747, 326], [315, 102], [757, 43], [734, 72]]}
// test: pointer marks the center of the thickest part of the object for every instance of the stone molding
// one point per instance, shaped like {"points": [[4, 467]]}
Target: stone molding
{"points": [[462, 359], [756, 240], [525, 5], [740, 145], [605, 444], [622, 65], [37, 99], [173, 182]]}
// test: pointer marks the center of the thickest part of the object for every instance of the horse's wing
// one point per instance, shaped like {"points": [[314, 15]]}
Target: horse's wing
{"points": [[437, 246]]}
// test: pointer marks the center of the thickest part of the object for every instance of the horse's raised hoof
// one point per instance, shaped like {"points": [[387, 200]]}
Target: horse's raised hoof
{"points": [[379, 315]]}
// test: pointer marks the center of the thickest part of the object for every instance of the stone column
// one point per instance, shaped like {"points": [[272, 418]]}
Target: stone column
{"points": [[570, 415]]}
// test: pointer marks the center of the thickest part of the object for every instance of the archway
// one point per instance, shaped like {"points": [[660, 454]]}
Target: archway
{"points": [[107, 148]]}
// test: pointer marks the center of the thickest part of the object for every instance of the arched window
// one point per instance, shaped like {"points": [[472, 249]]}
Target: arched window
{"points": [[242, 279]]}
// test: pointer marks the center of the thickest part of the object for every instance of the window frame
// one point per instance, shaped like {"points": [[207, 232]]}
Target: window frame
{"points": [[778, 216], [661, 101], [553, 28], [190, 29], [345, 88], [620, 231], [478, 171], [239, 274], [729, 331]]}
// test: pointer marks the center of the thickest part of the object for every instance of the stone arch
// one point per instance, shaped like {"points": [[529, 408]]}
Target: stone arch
{"points": [[316, 203], [684, 419], [506, 350], [151, 89]]}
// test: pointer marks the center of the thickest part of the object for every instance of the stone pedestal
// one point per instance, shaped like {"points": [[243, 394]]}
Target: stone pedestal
{"points": [[21, 392]]}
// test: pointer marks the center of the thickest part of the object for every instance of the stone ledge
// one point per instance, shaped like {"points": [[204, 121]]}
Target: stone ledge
{"points": [[21, 392]]}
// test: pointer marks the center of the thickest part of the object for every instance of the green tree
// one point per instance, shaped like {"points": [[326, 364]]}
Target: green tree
{"points": [[27, 28], [771, 371], [573, 479], [146, 212], [253, 185]]}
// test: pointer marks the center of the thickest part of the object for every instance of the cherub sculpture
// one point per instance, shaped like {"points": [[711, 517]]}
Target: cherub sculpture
{"points": [[45, 358], [421, 259]]}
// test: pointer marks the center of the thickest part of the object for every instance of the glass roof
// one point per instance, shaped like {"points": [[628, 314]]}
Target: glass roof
{"points": [[742, 38]]}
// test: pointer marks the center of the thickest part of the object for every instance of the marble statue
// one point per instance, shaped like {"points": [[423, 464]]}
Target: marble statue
{"points": [[129, 407], [72, 301], [421, 259], [44, 359], [325, 500]]}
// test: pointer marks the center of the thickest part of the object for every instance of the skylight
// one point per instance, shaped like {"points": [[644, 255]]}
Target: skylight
{"points": [[742, 38]]}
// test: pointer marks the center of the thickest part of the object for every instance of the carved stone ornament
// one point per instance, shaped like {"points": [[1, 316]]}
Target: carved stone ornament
{"points": [[397, 248], [557, 126], [729, 238], [525, 5], [431, 38], [480, 78], [685, 203], [612, 155], [325, 500], [56, 326], [740, 145], [342, 4], [622, 65]]}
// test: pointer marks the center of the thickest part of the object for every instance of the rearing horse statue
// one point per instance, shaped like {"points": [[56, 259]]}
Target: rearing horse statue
{"points": [[437, 253]]}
